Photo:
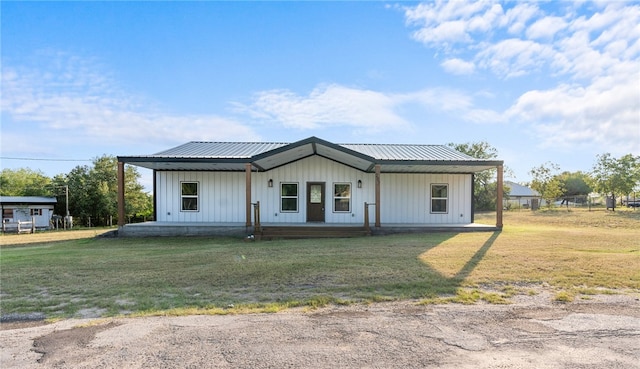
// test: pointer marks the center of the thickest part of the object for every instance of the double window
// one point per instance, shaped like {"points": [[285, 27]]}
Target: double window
{"points": [[289, 197], [342, 197], [439, 198], [36, 212], [189, 196]]}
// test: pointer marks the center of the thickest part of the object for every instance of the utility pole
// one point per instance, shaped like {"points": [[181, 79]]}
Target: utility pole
{"points": [[66, 194]]}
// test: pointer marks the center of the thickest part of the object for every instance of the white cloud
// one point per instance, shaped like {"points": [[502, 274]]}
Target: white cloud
{"points": [[451, 22], [458, 66], [328, 105], [546, 28], [590, 51], [514, 57], [68, 96], [361, 110]]}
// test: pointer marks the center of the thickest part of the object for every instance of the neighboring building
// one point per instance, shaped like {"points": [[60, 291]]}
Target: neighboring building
{"points": [[25, 208], [522, 196], [218, 184]]}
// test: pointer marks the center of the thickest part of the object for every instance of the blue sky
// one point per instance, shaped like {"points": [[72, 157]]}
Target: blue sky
{"points": [[539, 81]]}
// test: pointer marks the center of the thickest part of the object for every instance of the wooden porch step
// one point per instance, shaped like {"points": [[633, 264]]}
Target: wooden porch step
{"points": [[295, 232]]}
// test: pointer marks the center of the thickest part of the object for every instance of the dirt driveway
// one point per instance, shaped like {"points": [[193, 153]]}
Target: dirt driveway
{"points": [[602, 332]]}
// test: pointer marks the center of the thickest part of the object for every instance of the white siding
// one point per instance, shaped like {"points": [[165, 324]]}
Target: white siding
{"points": [[23, 214], [405, 198], [312, 169], [221, 197]]}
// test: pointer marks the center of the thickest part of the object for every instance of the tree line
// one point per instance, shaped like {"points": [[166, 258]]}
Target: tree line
{"points": [[610, 176], [92, 191]]}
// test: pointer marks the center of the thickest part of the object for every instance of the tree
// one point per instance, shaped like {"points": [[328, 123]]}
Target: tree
{"points": [[547, 182], [574, 184], [93, 192], [484, 187], [613, 176], [24, 182]]}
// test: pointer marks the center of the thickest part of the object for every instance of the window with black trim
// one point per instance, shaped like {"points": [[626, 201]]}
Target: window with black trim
{"points": [[439, 198], [342, 197], [289, 197], [189, 196], [36, 212]]}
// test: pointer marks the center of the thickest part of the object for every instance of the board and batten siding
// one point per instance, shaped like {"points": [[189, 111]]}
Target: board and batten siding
{"points": [[221, 197], [405, 198], [312, 169]]}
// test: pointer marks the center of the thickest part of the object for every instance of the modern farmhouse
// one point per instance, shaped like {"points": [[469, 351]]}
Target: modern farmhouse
{"points": [[247, 187]]}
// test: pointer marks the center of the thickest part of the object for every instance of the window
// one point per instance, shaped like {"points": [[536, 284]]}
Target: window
{"points": [[342, 197], [189, 196], [439, 193], [36, 212], [289, 197], [7, 213]]}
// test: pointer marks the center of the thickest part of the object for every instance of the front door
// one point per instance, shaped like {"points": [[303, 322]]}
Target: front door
{"points": [[315, 201]]}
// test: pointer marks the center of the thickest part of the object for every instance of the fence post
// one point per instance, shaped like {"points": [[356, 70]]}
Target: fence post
{"points": [[33, 224]]}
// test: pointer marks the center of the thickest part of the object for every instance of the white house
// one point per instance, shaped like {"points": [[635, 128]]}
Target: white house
{"points": [[312, 181], [25, 208]]}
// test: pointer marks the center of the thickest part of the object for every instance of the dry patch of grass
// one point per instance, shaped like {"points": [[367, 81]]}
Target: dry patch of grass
{"points": [[575, 254], [49, 236]]}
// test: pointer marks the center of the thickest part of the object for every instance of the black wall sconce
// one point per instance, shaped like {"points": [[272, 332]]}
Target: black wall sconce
{"points": [[270, 183], [359, 183]]}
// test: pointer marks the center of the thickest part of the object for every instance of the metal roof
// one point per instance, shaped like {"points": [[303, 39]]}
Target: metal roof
{"points": [[263, 156], [23, 200], [518, 190]]}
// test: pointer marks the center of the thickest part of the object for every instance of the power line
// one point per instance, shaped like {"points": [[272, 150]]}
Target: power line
{"points": [[41, 159]]}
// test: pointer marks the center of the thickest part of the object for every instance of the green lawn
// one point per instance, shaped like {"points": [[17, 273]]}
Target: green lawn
{"points": [[576, 252]]}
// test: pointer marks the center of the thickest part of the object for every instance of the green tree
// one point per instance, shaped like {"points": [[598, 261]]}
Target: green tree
{"points": [[24, 182], [93, 192], [575, 184], [547, 182], [614, 177], [484, 186]]}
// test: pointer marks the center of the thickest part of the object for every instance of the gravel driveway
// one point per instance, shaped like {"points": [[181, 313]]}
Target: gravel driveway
{"points": [[533, 332]]}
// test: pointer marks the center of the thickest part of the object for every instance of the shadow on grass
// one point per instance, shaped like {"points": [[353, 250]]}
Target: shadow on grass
{"points": [[424, 279], [441, 284], [476, 258]]}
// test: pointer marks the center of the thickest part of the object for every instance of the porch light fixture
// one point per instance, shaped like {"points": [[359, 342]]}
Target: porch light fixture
{"points": [[270, 183], [359, 183]]}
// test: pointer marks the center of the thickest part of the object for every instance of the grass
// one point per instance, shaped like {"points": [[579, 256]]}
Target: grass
{"points": [[574, 253]]}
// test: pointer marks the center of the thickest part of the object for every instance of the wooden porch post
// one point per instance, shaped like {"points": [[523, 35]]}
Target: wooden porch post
{"points": [[377, 195], [499, 204], [120, 194], [247, 170]]}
